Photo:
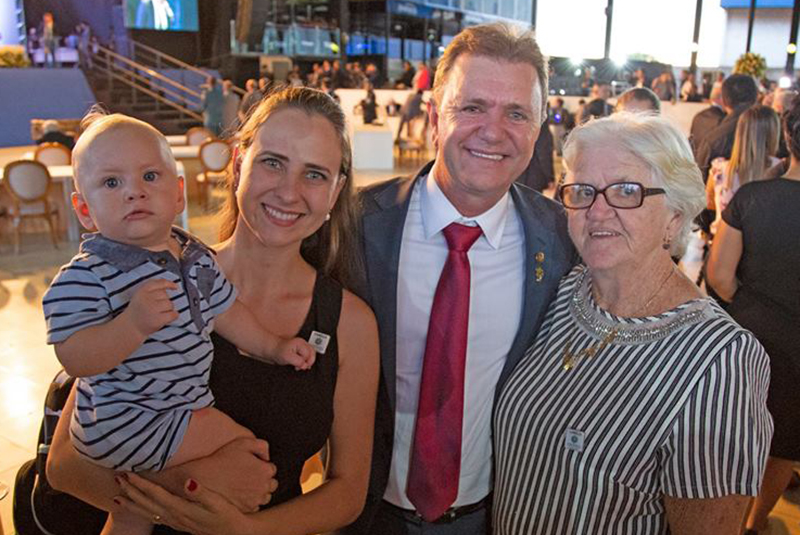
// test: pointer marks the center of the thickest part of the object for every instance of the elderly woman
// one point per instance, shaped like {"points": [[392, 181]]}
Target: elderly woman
{"points": [[641, 406]]}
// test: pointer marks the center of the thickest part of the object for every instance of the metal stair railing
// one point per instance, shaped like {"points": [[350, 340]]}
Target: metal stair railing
{"points": [[140, 79], [156, 59]]}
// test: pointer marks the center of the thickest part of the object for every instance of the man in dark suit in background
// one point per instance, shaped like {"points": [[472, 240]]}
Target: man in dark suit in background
{"points": [[739, 92], [540, 173], [706, 120], [461, 264]]}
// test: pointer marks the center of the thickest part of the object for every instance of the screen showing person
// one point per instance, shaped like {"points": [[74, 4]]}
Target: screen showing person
{"points": [[175, 15]]}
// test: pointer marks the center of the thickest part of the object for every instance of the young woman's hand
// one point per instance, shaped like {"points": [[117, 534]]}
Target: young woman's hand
{"points": [[240, 471], [201, 512]]}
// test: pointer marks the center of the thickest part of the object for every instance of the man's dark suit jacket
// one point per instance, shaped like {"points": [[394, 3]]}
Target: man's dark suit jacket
{"points": [[719, 141], [385, 206], [703, 123]]}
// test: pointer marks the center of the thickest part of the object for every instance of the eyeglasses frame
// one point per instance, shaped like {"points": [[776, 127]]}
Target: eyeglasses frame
{"points": [[646, 192]]}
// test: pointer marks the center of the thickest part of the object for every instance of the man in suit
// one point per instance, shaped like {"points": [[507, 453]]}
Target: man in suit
{"points": [[486, 112], [706, 120], [739, 92]]}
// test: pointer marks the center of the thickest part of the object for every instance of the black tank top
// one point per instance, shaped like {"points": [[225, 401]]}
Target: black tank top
{"points": [[291, 410]]}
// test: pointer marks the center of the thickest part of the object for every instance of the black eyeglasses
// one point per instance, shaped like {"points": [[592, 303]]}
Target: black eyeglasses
{"points": [[625, 195]]}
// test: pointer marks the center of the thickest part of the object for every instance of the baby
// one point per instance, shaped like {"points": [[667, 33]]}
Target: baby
{"points": [[131, 314]]}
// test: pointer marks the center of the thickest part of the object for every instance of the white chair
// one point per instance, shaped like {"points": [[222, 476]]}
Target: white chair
{"points": [[28, 183], [53, 154], [214, 155], [197, 135]]}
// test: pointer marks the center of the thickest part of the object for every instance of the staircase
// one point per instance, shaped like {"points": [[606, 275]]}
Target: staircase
{"points": [[149, 85]]}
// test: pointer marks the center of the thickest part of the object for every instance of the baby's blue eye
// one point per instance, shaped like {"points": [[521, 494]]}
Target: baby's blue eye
{"points": [[150, 176], [111, 182]]}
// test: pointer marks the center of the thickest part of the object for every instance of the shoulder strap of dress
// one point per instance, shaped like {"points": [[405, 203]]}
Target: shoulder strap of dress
{"points": [[327, 303]]}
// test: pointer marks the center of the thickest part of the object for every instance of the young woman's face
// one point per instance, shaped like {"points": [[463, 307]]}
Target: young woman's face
{"points": [[289, 177]]}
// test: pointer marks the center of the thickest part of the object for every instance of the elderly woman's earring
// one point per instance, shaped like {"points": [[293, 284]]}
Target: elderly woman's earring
{"points": [[667, 243]]}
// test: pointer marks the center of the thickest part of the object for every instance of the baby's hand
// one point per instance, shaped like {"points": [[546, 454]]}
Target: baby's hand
{"points": [[150, 308], [296, 352]]}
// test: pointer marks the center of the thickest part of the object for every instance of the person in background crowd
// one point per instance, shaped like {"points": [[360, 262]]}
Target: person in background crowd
{"points": [[49, 41], [752, 156], [32, 42], [84, 49], [422, 78], [406, 79], [326, 73], [639, 79], [294, 78], [357, 75], [264, 84], [230, 107], [718, 81], [739, 92], [212, 106], [638, 99], [706, 120], [251, 98], [664, 86], [339, 78], [373, 75], [782, 102], [412, 108], [579, 109], [598, 106], [754, 264], [689, 91], [369, 106], [561, 121], [445, 251], [587, 82], [328, 90], [540, 173], [313, 79], [289, 248], [53, 134], [612, 403]]}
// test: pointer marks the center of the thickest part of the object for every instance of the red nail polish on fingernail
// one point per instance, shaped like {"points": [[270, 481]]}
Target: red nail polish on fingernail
{"points": [[118, 480], [116, 501], [192, 486]]}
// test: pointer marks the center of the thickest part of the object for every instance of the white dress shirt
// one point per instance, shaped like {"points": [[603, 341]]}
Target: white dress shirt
{"points": [[496, 299]]}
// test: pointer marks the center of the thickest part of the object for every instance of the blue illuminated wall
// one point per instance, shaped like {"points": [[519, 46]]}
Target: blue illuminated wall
{"points": [[27, 94], [759, 3]]}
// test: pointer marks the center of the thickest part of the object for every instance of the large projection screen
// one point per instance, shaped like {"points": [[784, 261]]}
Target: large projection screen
{"points": [[174, 15]]}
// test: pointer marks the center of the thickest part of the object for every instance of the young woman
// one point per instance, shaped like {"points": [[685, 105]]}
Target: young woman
{"points": [[754, 148], [753, 265], [288, 236]]}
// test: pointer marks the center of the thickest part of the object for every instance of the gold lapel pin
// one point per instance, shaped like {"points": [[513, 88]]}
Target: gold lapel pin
{"points": [[539, 257]]}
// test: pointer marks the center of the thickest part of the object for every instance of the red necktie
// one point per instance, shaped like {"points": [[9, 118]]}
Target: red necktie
{"points": [[436, 452]]}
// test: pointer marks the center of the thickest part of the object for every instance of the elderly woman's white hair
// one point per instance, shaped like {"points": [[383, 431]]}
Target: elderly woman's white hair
{"points": [[660, 146]]}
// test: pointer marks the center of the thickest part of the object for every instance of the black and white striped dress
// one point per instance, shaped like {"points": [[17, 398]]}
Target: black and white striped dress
{"points": [[134, 416], [674, 405]]}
